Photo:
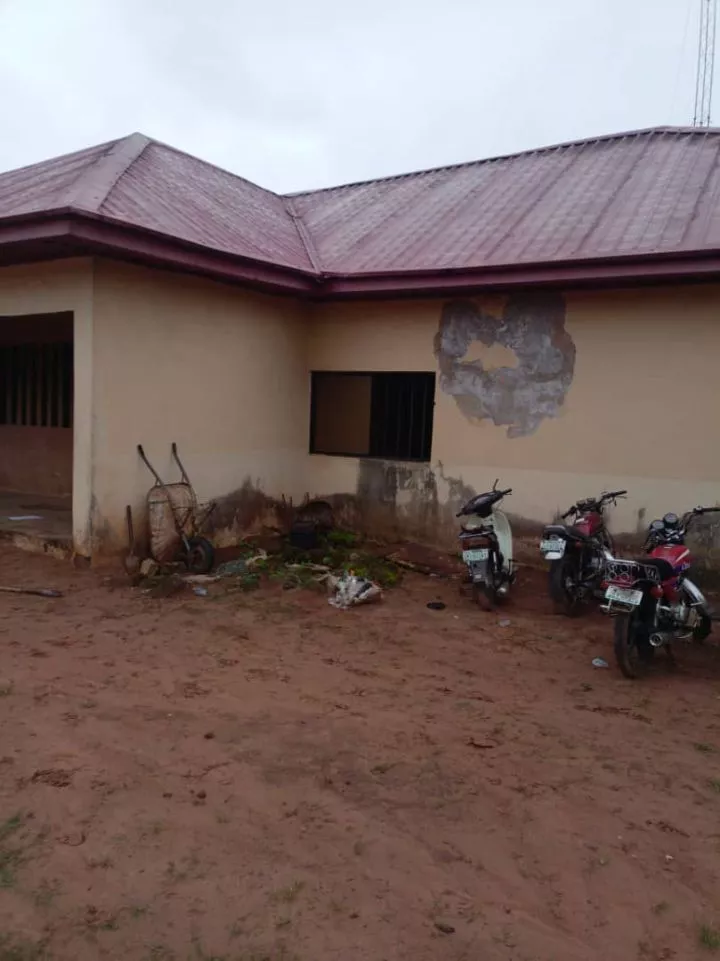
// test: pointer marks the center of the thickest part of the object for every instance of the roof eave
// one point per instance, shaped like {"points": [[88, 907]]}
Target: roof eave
{"points": [[86, 233], [65, 232], [618, 270]]}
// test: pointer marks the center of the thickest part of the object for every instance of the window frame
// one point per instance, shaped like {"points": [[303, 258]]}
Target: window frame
{"points": [[312, 449]]}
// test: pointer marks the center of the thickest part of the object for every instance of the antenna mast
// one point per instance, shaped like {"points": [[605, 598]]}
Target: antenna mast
{"points": [[705, 64]]}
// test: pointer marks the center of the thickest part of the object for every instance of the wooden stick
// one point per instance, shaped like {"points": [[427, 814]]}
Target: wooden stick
{"points": [[39, 591]]}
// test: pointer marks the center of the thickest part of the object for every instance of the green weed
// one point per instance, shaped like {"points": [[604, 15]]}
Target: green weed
{"points": [[709, 937], [10, 857], [13, 950]]}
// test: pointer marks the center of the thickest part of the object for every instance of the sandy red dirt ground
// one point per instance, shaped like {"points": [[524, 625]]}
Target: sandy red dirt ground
{"points": [[257, 777]]}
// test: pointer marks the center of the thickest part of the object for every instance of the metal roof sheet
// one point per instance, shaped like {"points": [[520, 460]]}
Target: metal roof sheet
{"points": [[641, 193], [649, 192], [139, 182], [175, 194], [43, 186]]}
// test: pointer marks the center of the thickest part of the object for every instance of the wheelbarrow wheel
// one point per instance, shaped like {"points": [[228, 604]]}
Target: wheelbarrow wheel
{"points": [[200, 556]]}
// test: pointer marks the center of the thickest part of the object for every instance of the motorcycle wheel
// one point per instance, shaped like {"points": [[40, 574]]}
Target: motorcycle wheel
{"points": [[633, 651], [563, 586], [200, 556], [486, 596], [702, 629], [703, 624]]}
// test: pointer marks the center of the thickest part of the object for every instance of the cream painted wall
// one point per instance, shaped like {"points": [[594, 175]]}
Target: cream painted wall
{"points": [[642, 411], [225, 372], [219, 370], [49, 288]]}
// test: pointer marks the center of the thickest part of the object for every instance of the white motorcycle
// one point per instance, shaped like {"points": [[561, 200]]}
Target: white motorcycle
{"points": [[486, 542]]}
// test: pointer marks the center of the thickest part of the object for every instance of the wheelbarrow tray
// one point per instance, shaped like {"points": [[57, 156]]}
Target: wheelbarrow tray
{"points": [[171, 514]]}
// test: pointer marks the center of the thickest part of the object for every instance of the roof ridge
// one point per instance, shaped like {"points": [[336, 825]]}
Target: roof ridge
{"points": [[92, 188], [644, 132], [305, 236], [209, 163]]}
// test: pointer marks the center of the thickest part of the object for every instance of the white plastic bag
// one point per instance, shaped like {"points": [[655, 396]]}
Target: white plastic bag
{"points": [[349, 591]]}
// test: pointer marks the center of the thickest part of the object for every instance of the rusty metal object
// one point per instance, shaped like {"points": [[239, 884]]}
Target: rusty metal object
{"points": [[132, 561]]}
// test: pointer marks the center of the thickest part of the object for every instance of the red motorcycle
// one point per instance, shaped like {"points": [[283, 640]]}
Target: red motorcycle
{"points": [[653, 600], [577, 552]]}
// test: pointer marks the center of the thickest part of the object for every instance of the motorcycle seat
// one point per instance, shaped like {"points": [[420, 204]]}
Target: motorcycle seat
{"points": [[474, 526], [564, 533], [664, 568]]}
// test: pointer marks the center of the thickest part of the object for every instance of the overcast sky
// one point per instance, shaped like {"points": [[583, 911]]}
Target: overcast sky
{"points": [[304, 93]]}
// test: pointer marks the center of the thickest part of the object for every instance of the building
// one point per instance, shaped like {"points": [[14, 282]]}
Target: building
{"points": [[550, 318]]}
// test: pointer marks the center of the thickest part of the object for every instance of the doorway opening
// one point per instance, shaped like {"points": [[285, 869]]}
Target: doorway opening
{"points": [[36, 425]]}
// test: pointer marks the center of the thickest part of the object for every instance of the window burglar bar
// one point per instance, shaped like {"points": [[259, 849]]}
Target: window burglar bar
{"points": [[36, 385]]}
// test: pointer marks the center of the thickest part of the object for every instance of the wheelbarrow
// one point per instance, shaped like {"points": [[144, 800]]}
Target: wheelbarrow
{"points": [[176, 519]]}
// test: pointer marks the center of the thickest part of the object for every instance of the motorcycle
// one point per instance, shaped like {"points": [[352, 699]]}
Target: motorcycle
{"points": [[578, 551], [652, 599], [486, 542]]}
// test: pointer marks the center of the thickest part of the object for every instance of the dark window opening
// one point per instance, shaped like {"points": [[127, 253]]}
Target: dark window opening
{"points": [[381, 415], [36, 385]]}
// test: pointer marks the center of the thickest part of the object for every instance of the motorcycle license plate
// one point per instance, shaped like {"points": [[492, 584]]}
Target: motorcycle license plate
{"points": [[624, 595], [472, 557], [553, 546]]}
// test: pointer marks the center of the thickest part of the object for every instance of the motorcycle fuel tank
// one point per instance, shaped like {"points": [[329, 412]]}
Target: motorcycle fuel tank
{"points": [[675, 554], [589, 524]]}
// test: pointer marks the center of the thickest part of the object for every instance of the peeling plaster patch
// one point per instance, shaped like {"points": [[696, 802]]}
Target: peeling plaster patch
{"points": [[398, 497], [383, 481], [520, 397], [458, 492], [491, 357]]}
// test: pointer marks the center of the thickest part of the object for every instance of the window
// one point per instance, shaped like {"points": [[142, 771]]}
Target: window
{"points": [[36, 385], [372, 415]]}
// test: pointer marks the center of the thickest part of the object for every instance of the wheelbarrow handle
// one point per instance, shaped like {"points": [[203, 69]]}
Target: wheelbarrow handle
{"points": [[149, 466], [176, 456]]}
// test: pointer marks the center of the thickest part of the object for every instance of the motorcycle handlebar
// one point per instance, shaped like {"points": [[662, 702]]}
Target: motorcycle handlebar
{"points": [[504, 493], [592, 503], [696, 512]]}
